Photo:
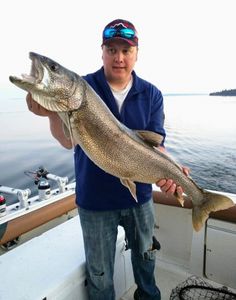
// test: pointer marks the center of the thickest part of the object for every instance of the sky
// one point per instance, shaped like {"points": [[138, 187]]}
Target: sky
{"points": [[185, 46]]}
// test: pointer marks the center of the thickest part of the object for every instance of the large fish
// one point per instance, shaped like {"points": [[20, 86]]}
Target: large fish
{"points": [[127, 154]]}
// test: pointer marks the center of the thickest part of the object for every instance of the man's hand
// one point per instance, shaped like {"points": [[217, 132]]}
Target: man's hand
{"points": [[35, 108], [56, 124], [169, 187]]}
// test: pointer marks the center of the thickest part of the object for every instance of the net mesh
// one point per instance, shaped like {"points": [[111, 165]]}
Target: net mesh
{"points": [[195, 288]]}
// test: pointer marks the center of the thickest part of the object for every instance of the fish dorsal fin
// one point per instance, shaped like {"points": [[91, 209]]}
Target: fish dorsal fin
{"points": [[150, 137]]}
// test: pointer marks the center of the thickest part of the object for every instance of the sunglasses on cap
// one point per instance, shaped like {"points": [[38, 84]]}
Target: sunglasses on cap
{"points": [[126, 33]]}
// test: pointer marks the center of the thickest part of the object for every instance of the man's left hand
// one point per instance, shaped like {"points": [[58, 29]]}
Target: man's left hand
{"points": [[169, 187]]}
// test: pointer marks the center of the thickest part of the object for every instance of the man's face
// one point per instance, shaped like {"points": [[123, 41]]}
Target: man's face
{"points": [[119, 59]]}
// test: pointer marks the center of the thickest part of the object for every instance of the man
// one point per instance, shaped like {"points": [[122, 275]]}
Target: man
{"points": [[104, 203]]}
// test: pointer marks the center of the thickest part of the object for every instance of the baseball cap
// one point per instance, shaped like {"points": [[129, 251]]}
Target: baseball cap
{"points": [[122, 30]]}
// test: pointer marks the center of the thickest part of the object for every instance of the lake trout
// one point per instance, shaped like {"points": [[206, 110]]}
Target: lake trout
{"points": [[130, 155]]}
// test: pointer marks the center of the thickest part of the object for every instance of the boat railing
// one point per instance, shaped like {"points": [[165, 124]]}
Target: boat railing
{"points": [[45, 196]]}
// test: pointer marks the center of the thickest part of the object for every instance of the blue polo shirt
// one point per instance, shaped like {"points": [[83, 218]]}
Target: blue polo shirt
{"points": [[142, 110]]}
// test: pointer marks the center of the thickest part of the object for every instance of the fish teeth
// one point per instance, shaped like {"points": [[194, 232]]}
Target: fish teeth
{"points": [[29, 78]]}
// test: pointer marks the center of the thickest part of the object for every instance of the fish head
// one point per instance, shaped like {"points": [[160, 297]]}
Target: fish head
{"points": [[51, 85]]}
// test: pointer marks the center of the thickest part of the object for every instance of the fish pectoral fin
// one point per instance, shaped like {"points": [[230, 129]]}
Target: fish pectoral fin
{"points": [[66, 131], [152, 138], [131, 186], [211, 202], [65, 125]]}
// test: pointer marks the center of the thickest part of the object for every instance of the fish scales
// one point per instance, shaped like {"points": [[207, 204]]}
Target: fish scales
{"points": [[127, 154]]}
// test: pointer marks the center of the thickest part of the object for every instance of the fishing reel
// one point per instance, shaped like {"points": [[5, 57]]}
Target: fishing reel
{"points": [[41, 178]]}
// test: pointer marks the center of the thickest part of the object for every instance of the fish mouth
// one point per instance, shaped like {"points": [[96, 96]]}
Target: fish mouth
{"points": [[51, 85], [36, 72]]}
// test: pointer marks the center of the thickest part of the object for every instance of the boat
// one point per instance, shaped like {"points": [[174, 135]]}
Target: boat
{"points": [[29, 216], [42, 255]]}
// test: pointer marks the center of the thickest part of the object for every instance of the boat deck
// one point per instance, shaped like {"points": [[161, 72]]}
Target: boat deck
{"points": [[52, 263], [65, 278], [167, 278]]}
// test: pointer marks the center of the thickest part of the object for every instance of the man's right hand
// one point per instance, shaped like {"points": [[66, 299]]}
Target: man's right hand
{"points": [[36, 108], [55, 121]]}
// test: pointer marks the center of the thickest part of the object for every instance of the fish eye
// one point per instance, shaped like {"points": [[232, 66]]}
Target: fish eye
{"points": [[53, 67]]}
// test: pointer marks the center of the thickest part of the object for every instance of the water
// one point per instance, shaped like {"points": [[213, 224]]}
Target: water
{"points": [[201, 134], [26, 144]]}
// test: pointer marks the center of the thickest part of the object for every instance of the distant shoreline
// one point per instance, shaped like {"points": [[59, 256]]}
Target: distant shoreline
{"points": [[224, 93]]}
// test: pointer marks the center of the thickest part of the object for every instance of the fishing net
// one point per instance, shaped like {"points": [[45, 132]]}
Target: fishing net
{"points": [[195, 288]]}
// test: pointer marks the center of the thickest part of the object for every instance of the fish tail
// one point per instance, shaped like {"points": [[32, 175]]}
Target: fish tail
{"points": [[211, 202]]}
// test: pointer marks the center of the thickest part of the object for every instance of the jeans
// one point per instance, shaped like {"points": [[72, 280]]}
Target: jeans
{"points": [[100, 234]]}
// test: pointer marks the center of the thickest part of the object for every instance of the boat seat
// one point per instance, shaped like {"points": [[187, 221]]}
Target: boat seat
{"points": [[52, 266]]}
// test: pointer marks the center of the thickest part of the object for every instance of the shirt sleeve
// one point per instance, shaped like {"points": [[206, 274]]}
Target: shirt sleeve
{"points": [[157, 116]]}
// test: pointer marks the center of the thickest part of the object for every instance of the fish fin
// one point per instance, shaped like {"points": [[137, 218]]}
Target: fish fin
{"points": [[150, 137], [212, 202], [131, 186], [66, 126], [66, 131], [179, 198]]}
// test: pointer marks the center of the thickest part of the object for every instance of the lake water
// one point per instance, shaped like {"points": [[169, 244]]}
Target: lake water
{"points": [[201, 134]]}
